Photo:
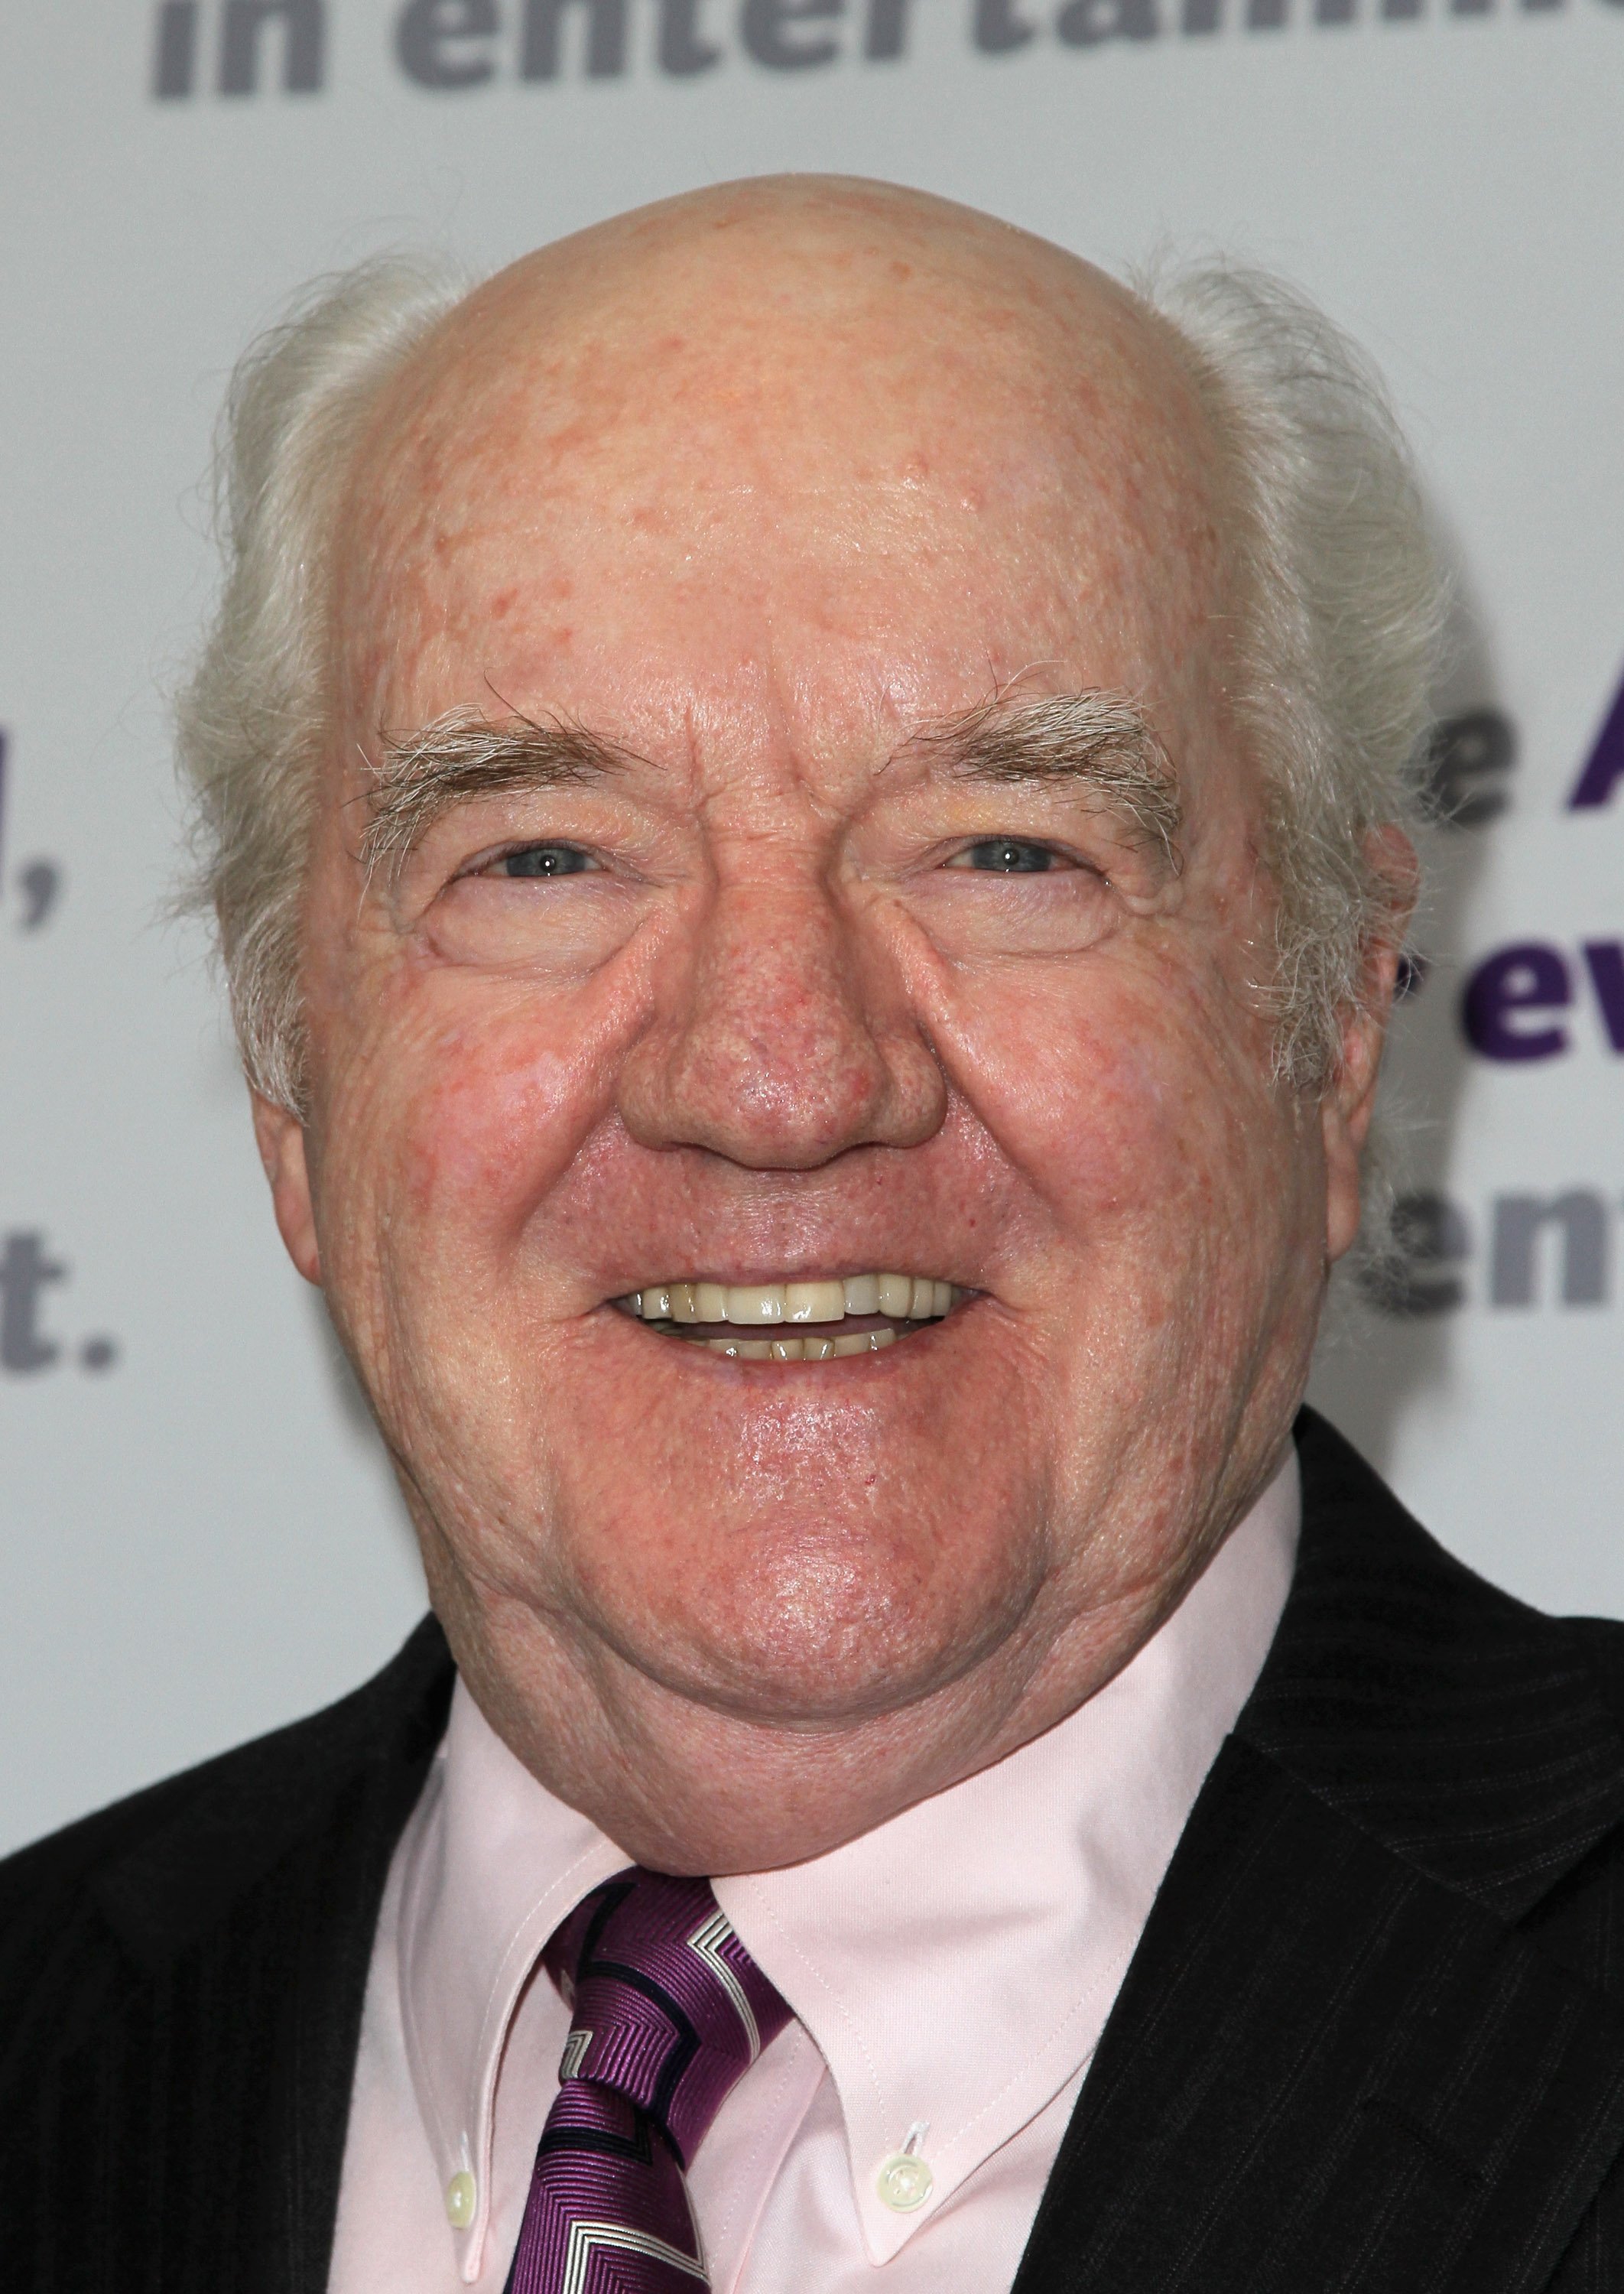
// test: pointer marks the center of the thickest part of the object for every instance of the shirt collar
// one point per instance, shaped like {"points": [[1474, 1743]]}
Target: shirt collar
{"points": [[954, 1966]]}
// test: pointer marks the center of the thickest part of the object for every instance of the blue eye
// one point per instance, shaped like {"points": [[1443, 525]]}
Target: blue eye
{"points": [[546, 861], [1008, 856]]}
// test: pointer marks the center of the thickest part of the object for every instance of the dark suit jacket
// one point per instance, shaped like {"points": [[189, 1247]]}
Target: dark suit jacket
{"points": [[1372, 2039]]}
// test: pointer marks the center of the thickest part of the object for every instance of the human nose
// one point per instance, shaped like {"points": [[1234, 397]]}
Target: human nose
{"points": [[783, 1041]]}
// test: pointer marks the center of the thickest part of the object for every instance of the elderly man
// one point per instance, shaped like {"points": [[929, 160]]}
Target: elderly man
{"points": [[804, 798]]}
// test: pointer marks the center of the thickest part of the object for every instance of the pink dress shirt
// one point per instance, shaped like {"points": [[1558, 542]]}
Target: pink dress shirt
{"points": [[950, 1975]]}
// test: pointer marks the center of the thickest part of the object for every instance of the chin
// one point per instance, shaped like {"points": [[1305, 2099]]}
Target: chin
{"points": [[791, 1624]]}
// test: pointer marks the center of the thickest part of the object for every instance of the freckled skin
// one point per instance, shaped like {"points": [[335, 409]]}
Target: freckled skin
{"points": [[757, 485]]}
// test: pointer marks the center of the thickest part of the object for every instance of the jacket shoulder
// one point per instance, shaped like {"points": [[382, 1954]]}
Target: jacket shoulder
{"points": [[169, 1857], [1477, 1738], [1373, 1531], [182, 1981]]}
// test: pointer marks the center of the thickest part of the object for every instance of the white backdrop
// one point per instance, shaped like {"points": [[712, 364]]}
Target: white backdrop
{"points": [[197, 1538]]}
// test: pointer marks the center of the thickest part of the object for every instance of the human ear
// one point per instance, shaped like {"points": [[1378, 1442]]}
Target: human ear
{"points": [[280, 1137], [1348, 1105]]}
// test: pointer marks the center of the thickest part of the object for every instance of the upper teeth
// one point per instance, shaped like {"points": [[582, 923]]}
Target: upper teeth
{"points": [[911, 1298]]}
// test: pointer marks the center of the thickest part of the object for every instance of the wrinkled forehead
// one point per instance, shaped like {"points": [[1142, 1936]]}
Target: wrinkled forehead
{"points": [[794, 419]]}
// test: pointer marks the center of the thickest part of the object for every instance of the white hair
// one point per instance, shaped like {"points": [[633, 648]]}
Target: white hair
{"points": [[1337, 611], [250, 721]]}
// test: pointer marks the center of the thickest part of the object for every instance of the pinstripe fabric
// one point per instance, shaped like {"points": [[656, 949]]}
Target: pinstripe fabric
{"points": [[1372, 2041], [1581, 1924]]}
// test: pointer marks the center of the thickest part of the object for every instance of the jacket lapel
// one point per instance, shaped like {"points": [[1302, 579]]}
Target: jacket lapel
{"points": [[1335, 2063]]}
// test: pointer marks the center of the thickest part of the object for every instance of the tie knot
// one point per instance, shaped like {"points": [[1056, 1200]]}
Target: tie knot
{"points": [[669, 2009]]}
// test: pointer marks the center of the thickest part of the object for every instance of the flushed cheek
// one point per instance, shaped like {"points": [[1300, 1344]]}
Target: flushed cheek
{"points": [[490, 1119], [1147, 1129], [1109, 1118], [439, 1135]]}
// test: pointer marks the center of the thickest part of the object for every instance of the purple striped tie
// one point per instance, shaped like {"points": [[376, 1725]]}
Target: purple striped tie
{"points": [[669, 2009]]}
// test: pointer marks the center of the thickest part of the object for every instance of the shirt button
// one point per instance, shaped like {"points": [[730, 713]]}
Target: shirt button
{"points": [[905, 2182], [460, 2193]]}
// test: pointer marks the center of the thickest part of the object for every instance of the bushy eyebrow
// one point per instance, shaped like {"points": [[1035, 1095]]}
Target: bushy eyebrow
{"points": [[463, 755], [1096, 736]]}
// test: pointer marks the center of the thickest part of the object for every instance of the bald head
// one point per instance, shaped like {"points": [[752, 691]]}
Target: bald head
{"points": [[771, 311], [865, 377]]}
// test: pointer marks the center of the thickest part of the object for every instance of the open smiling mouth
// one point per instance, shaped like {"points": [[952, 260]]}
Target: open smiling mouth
{"points": [[794, 1321]]}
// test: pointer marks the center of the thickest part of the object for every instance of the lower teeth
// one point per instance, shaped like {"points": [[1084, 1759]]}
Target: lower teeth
{"points": [[863, 1342]]}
